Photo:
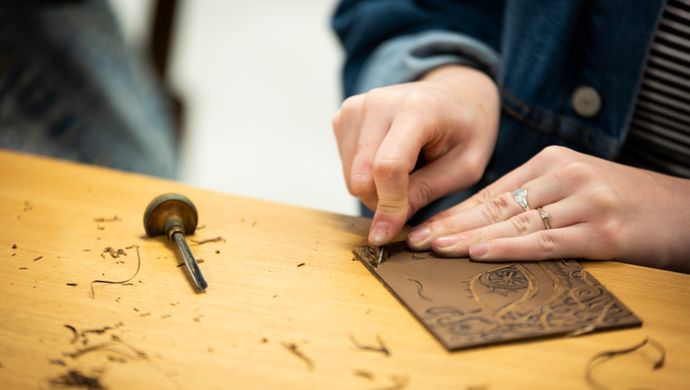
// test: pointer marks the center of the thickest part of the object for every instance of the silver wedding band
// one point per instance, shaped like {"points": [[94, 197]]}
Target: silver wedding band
{"points": [[520, 196], [544, 217]]}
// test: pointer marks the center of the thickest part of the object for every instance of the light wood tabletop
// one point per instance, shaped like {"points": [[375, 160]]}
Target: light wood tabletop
{"points": [[284, 301]]}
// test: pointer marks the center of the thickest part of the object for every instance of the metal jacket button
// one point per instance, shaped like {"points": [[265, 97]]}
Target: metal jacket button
{"points": [[586, 101]]}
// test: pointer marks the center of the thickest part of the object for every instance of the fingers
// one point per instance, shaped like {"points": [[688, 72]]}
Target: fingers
{"points": [[381, 134], [375, 125], [541, 191], [395, 159], [378, 154], [560, 214], [542, 245], [588, 216], [516, 178], [346, 127]]}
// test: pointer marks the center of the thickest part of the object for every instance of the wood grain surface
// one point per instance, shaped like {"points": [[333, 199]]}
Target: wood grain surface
{"points": [[266, 321]]}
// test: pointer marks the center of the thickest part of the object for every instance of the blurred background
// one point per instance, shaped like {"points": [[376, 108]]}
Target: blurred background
{"points": [[259, 81]]}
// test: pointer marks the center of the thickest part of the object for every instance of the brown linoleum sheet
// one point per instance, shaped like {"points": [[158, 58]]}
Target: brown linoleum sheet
{"points": [[468, 304]]}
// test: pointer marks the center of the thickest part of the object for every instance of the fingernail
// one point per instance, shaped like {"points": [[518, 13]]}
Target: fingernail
{"points": [[379, 234], [419, 235], [478, 251], [446, 241]]}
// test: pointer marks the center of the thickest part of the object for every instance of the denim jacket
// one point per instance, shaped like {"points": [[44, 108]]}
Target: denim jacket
{"points": [[568, 71]]}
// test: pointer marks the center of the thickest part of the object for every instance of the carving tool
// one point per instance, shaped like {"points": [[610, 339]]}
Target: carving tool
{"points": [[175, 215], [381, 254]]}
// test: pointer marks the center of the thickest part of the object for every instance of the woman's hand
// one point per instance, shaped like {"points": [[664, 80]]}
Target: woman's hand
{"points": [[596, 209], [451, 116]]}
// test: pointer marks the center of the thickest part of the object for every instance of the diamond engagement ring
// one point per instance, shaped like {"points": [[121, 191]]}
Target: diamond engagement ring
{"points": [[520, 196], [544, 217]]}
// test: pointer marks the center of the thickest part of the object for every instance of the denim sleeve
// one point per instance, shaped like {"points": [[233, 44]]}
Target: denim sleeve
{"points": [[365, 26], [408, 57]]}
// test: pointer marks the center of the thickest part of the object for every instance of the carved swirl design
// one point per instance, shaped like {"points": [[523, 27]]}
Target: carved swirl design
{"points": [[585, 303], [506, 278]]}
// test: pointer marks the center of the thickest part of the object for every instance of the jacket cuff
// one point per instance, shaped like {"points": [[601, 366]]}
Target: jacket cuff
{"points": [[407, 58]]}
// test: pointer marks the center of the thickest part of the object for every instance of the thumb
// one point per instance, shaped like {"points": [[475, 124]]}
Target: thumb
{"points": [[387, 223], [392, 207]]}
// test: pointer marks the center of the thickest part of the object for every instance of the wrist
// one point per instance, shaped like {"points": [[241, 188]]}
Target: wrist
{"points": [[460, 75], [467, 82]]}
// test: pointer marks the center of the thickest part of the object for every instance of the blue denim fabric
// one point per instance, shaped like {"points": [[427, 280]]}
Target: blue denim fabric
{"points": [[408, 57], [69, 88], [547, 49]]}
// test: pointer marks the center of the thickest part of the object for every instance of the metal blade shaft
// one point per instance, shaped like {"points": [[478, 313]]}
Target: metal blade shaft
{"points": [[190, 261]]}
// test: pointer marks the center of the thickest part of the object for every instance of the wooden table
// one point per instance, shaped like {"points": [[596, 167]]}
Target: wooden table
{"points": [[156, 332]]}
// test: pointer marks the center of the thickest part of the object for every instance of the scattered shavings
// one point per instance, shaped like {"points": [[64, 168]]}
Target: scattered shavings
{"points": [[114, 253], [364, 374], [607, 355], [381, 348], [75, 334], [294, 349], [207, 240], [93, 294], [113, 219], [74, 378]]}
